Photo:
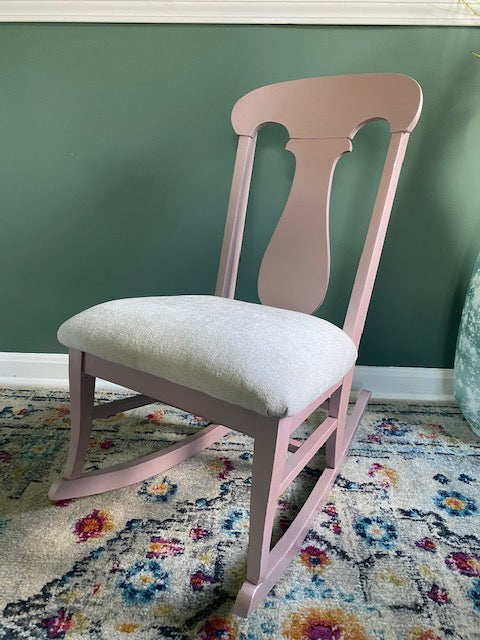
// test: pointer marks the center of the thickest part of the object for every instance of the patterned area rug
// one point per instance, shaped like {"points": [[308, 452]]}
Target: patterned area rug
{"points": [[393, 554]]}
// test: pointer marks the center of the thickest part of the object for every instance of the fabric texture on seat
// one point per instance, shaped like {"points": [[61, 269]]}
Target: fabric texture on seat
{"points": [[270, 360]]}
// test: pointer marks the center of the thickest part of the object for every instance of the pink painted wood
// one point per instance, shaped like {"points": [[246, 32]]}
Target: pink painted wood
{"points": [[322, 116], [296, 266]]}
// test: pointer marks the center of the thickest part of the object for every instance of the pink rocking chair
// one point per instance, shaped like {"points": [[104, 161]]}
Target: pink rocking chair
{"points": [[261, 369]]}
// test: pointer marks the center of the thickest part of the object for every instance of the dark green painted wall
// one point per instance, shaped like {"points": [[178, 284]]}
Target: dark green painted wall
{"points": [[116, 154]]}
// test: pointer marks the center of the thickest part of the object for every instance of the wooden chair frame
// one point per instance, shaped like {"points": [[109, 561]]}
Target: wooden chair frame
{"points": [[393, 97]]}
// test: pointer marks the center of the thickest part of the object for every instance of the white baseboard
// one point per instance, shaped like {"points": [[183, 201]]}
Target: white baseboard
{"points": [[50, 370], [404, 383], [45, 370]]}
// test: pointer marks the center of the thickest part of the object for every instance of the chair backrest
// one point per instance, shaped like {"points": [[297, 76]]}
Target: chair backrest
{"points": [[321, 115]]}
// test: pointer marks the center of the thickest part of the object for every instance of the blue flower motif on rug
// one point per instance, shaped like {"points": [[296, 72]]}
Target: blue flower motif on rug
{"points": [[439, 477], [17, 414], [376, 531], [391, 427], [38, 448], [474, 594], [3, 524], [454, 503], [236, 523], [463, 477], [143, 582]]}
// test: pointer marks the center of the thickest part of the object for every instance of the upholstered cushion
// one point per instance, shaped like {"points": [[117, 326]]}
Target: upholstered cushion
{"points": [[270, 360]]}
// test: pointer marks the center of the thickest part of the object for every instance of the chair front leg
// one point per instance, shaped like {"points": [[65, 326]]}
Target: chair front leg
{"points": [[270, 451], [82, 389]]}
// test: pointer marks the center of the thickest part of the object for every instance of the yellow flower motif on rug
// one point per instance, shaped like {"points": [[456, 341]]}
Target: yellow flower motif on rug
{"points": [[334, 624], [126, 627]]}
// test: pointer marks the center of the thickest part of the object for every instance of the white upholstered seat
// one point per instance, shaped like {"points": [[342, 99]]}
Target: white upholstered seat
{"points": [[271, 360]]}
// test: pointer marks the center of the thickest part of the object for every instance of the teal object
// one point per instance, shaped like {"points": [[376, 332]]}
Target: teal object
{"points": [[467, 357]]}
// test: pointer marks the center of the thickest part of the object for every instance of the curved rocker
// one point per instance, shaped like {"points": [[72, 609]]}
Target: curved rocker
{"points": [[259, 369]]}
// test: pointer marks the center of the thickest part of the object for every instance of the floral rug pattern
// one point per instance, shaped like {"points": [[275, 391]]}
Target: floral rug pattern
{"points": [[393, 554]]}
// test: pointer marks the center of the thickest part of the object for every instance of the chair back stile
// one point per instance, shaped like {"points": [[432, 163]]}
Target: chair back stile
{"points": [[235, 221], [372, 249]]}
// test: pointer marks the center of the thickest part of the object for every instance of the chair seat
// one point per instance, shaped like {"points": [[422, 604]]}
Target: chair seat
{"points": [[273, 361]]}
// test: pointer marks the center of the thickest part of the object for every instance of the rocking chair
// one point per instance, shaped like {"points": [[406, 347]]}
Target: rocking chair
{"points": [[261, 369]]}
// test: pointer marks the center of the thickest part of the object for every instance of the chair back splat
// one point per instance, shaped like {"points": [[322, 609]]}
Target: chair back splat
{"points": [[322, 115], [261, 369]]}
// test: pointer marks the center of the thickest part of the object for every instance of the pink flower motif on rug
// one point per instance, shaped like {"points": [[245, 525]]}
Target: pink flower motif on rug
{"points": [[221, 468], [217, 629], [61, 503], [286, 515], [156, 417], [197, 533], [330, 509], [5, 456], [105, 445], [94, 525], [164, 547], [426, 544], [384, 476], [58, 625], [435, 431], [58, 414], [466, 563], [314, 558], [198, 580], [438, 595]]}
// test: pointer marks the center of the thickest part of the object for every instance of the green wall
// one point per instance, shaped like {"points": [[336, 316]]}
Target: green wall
{"points": [[116, 153]]}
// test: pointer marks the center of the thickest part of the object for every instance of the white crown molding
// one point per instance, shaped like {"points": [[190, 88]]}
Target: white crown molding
{"points": [[362, 12], [50, 370]]}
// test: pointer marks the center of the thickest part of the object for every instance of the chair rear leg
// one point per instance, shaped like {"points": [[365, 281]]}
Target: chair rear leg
{"points": [[82, 389], [335, 445]]}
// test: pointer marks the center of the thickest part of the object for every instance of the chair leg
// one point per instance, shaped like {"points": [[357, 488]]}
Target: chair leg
{"points": [[74, 484], [266, 566], [335, 445], [270, 451], [82, 390]]}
